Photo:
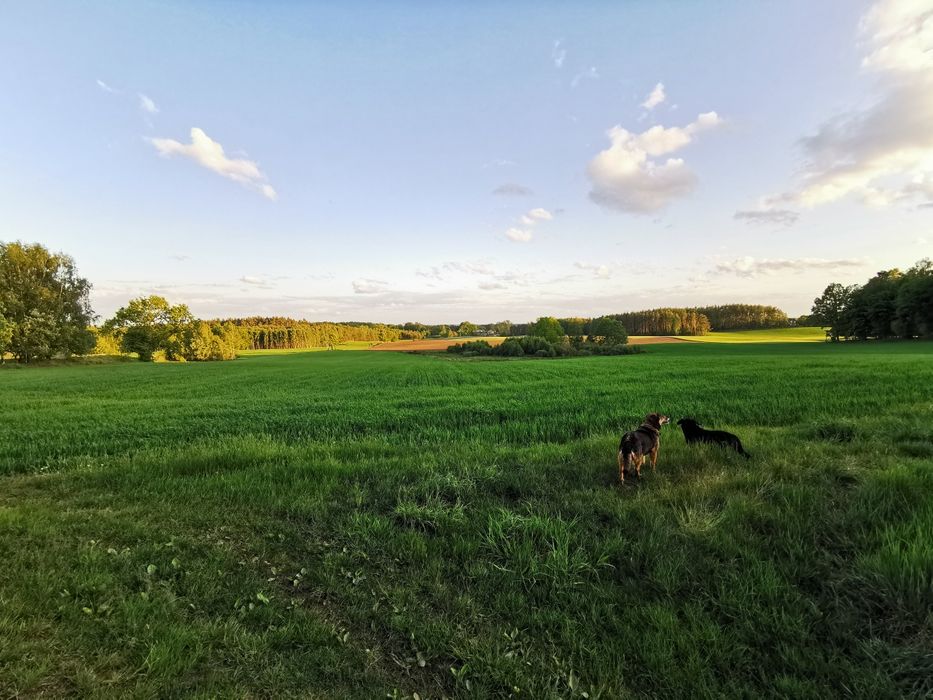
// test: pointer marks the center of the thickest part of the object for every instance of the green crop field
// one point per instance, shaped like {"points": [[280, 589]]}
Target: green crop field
{"points": [[355, 524], [804, 334]]}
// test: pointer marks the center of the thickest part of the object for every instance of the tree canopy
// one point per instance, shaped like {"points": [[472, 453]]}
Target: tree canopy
{"points": [[890, 304], [549, 328], [607, 331], [44, 304]]}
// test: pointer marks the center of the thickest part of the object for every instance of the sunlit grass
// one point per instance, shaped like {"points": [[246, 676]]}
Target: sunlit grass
{"points": [[804, 334]]}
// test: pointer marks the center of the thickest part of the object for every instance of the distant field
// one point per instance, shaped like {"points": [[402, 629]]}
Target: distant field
{"points": [[781, 335], [432, 344], [364, 525], [349, 345], [805, 334]]}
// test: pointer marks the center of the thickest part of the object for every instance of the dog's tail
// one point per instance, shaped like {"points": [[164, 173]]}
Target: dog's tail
{"points": [[625, 461], [741, 450]]}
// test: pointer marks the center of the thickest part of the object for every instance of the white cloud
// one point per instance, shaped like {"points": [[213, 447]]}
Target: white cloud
{"points": [[474, 267], [626, 177], [250, 279], [752, 267], [655, 97], [469, 268], [512, 189], [558, 54], [147, 105], [589, 74], [880, 154], [369, 286], [901, 35], [783, 217], [599, 271], [106, 88], [208, 153], [528, 220]]}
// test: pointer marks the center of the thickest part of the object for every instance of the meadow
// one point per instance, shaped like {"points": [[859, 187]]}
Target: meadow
{"points": [[373, 524], [801, 334]]}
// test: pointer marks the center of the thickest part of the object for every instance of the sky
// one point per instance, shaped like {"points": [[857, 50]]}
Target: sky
{"points": [[477, 161]]}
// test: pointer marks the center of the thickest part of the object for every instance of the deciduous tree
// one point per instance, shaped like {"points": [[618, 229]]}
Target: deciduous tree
{"points": [[549, 328], [45, 302]]}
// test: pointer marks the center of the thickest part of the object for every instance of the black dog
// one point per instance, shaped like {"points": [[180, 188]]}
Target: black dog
{"points": [[637, 444], [694, 432]]}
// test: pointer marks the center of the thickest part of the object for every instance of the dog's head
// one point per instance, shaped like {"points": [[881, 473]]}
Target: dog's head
{"points": [[656, 420], [688, 422]]}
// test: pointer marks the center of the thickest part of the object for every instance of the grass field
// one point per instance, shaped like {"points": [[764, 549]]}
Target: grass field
{"points": [[805, 334], [349, 524]]}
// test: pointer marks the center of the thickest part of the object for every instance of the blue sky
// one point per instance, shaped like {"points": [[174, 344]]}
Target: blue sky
{"points": [[468, 161]]}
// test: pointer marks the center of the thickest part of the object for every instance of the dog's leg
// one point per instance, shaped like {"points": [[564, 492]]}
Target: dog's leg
{"points": [[622, 466], [638, 460], [654, 457]]}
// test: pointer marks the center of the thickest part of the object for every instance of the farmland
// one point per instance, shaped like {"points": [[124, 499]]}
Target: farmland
{"points": [[357, 524]]}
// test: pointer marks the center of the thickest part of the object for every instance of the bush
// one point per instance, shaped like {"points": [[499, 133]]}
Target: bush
{"points": [[510, 348], [477, 347], [535, 346]]}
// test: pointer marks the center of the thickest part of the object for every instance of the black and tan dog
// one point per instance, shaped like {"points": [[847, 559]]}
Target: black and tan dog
{"points": [[694, 432], [635, 445]]}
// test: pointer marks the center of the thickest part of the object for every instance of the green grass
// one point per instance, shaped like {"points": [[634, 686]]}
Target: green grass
{"points": [[347, 345], [804, 334], [362, 524]]}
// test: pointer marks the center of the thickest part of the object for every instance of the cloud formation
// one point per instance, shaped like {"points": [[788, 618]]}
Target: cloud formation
{"points": [[655, 97], [752, 267], [558, 54], [882, 154], [781, 217], [601, 272], [519, 235], [106, 88], [528, 220], [209, 154], [369, 286], [626, 177], [512, 189], [147, 105], [589, 74]]}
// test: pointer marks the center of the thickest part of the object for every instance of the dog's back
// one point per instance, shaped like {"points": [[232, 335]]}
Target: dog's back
{"points": [[694, 432]]}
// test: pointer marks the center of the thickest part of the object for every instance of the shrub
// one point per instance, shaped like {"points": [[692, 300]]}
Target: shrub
{"points": [[535, 346], [477, 347], [510, 348]]}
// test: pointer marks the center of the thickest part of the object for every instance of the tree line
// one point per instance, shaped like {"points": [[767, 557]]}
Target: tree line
{"points": [[280, 333], [892, 304], [45, 312]]}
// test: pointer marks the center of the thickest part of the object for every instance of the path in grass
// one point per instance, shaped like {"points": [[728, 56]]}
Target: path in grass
{"points": [[354, 524]]}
